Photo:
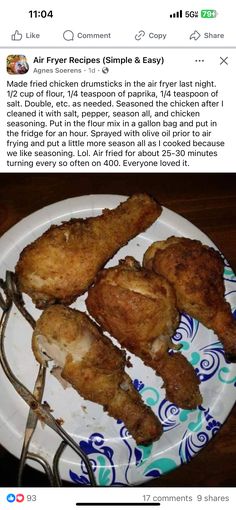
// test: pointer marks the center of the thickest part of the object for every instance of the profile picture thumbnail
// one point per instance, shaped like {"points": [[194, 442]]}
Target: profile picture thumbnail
{"points": [[17, 64]]}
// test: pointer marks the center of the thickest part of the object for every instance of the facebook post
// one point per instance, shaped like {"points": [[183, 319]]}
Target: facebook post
{"points": [[110, 111], [157, 102], [117, 279]]}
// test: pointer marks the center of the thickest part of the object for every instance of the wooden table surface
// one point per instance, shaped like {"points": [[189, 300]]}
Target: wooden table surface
{"points": [[208, 201]]}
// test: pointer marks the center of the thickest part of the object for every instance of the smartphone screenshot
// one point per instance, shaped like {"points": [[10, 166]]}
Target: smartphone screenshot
{"points": [[117, 254]]}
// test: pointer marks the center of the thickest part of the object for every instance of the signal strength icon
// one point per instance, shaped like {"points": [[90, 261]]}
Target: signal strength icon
{"points": [[178, 14]]}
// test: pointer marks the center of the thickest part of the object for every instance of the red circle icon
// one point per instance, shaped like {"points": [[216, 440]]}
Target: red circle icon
{"points": [[20, 498]]}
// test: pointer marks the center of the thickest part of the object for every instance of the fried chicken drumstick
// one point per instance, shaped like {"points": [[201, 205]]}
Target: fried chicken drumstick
{"points": [[94, 367], [61, 264], [138, 308], [196, 272]]}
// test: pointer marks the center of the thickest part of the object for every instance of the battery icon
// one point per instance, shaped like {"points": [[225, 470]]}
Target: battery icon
{"points": [[208, 13]]}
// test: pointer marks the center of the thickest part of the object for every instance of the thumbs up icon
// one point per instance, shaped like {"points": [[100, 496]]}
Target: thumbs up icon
{"points": [[17, 36]]}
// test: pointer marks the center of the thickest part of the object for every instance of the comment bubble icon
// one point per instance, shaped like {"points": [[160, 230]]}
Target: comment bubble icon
{"points": [[68, 35]]}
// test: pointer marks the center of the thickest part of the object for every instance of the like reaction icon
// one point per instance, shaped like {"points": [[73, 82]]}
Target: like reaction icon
{"points": [[11, 498], [17, 36]]}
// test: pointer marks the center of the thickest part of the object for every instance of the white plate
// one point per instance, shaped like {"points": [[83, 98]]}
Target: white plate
{"points": [[116, 459]]}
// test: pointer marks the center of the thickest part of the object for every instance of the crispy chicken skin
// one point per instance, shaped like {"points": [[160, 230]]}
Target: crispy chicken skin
{"points": [[94, 367], [138, 308], [61, 264], [196, 272]]}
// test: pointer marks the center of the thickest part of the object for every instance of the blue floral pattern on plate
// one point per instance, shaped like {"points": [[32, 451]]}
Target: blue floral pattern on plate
{"points": [[191, 430], [187, 430]]}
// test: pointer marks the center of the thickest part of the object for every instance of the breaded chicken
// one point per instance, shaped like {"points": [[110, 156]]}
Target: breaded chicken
{"points": [[94, 367], [196, 272], [63, 262], [138, 308]]}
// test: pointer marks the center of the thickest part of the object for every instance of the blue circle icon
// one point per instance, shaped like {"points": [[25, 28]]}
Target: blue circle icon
{"points": [[11, 498]]}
